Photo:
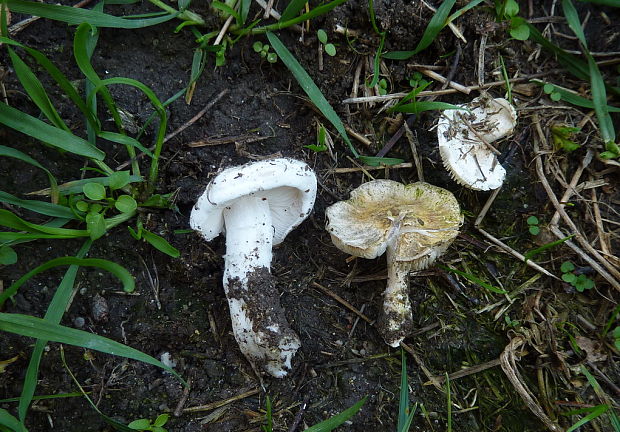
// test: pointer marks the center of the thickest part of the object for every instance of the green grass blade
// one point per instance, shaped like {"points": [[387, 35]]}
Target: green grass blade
{"points": [[76, 16], [244, 9], [474, 279], [62, 81], [376, 161], [163, 120], [115, 424], [11, 422], [335, 421], [16, 154], [51, 135], [317, 11], [54, 313], [572, 64], [463, 10], [35, 90], [129, 284], [125, 140], [435, 25], [599, 98], [13, 221], [293, 8], [33, 327], [310, 88], [160, 243], [572, 18], [41, 207], [403, 404], [594, 413], [531, 254], [75, 186]]}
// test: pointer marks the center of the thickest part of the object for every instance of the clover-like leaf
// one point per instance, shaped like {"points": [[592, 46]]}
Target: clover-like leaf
{"points": [[125, 204], [567, 266], [94, 191]]}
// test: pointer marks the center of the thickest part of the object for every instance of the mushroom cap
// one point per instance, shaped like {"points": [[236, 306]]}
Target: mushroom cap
{"points": [[419, 220], [461, 137], [288, 185]]}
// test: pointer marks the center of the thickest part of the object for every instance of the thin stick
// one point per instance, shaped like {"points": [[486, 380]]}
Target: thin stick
{"points": [[342, 302], [442, 79], [190, 122], [468, 371], [481, 53], [214, 405], [453, 28], [361, 138], [613, 275], [406, 347], [501, 244], [392, 96], [603, 238], [179, 409], [370, 168], [414, 151], [222, 33]]}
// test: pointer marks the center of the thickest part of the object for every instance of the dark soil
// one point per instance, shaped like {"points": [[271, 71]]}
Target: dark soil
{"points": [[179, 306]]}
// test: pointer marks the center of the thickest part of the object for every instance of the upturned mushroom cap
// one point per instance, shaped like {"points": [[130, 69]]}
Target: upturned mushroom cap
{"points": [[288, 185], [463, 137], [420, 221]]}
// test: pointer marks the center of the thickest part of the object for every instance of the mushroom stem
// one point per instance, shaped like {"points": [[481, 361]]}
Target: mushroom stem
{"points": [[396, 321], [258, 320]]}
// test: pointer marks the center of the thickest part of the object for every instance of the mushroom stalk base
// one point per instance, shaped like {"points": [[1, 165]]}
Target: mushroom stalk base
{"points": [[258, 320], [396, 321]]}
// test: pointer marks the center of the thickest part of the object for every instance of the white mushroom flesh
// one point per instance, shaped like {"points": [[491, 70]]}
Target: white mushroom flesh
{"points": [[466, 137], [257, 205]]}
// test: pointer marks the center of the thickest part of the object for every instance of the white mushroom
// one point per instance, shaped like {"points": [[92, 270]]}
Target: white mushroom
{"points": [[465, 139], [414, 223], [257, 205]]}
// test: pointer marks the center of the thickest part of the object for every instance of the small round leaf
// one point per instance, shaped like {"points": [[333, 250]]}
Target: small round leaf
{"points": [[257, 46], [534, 230], [567, 266], [272, 57], [555, 96], [532, 220], [322, 36], [94, 191], [330, 49], [569, 277], [548, 88], [81, 206], [125, 204]]}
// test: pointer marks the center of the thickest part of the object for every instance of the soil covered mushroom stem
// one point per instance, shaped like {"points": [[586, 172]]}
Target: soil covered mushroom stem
{"points": [[396, 321], [258, 320]]}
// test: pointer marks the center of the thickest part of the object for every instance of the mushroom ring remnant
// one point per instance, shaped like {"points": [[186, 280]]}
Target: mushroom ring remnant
{"points": [[257, 205], [465, 139], [414, 223]]}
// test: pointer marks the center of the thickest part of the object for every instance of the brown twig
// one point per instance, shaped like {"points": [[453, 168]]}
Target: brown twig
{"points": [[214, 405], [184, 126]]}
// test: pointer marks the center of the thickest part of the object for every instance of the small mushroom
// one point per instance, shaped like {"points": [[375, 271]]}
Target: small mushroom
{"points": [[415, 223], [466, 137], [257, 205]]}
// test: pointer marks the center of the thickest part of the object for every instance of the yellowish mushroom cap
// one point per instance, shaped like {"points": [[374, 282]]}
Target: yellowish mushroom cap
{"points": [[419, 220]]}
